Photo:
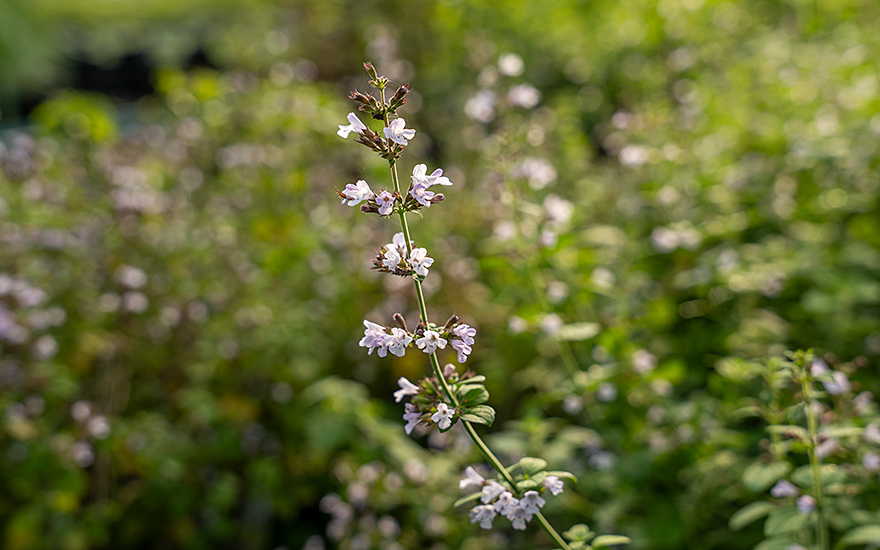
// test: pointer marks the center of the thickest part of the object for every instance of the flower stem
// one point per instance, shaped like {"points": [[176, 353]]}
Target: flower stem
{"points": [[438, 372], [815, 469]]}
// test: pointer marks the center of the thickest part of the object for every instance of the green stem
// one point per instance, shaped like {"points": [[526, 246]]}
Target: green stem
{"points": [[815, 467], [438, 372]]}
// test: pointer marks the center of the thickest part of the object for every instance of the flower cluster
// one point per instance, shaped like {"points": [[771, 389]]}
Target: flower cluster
{"points": [[393, 258], [427, 337], [385, 203], [427, 402], [497, 498]]}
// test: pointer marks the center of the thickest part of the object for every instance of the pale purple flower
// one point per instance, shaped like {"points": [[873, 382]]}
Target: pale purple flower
{"points": [[784, 488], [422, 194], [491, 491], [385, 200], [443, 416], [483, 514], [354, 193], [420, 176], [406, 388], [420, 262], [839, 384], [806, 504], [463, 350], [818, 367], [505, 502], [430, 342], [398, 341], [411, 415], [553, 484], [472, 479], [518, 517], [375, 337], [532, 502], [466, 333], [354, 125], [398, 133]]}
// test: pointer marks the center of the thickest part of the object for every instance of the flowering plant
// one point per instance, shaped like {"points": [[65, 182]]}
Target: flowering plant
{"points": [[447, 397]]}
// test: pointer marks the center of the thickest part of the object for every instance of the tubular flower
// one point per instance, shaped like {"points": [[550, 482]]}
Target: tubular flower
{"points": [[354, 125], [398, 133]]}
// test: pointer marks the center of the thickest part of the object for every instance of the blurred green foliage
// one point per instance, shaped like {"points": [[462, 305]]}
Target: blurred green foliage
{"points": [[648, 196]]}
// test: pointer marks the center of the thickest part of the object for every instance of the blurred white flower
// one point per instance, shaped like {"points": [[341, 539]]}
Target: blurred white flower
{"points": [[524, 95], [510, 64]]}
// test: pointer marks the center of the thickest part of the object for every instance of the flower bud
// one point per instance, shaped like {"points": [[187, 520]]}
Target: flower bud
{"points": [[451, 322], [370, 69], [398, 318], [438, 197]]}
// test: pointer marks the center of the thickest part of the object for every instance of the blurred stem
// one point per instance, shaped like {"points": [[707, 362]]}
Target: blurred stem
{"points": [[815, 467], [438, 372]]}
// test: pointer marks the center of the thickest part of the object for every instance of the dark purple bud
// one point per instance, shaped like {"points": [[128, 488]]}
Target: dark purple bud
{"points": [[370, 69], [437, 198], [452, 322]]}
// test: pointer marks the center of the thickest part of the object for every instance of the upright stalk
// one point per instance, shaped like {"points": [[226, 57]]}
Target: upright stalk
{"points": [[815, 467], [438, 372]]}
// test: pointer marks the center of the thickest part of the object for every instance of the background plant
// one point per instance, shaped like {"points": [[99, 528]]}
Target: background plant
{"points": [[719, 163]]}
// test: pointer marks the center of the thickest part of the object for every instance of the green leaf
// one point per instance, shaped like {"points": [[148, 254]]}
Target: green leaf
{"points": [[527, 485], [738, 370], [531, 465], [470, 498], [610, 540], [803, 476], [790, 430], [760, 476], [749, 513], [785, 520], [579, 545], [474, 395], [863, 534], [473, 380], [775, 543], [563, 475], [579, 532], [479, 414]]}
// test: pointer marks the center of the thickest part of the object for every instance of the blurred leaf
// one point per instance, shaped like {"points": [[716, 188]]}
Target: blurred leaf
{"points": [[610, 540], [785, 520], [750, 513], [760, 476], [863, 534]]}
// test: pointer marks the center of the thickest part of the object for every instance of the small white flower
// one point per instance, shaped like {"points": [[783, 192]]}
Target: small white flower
{"points": [[827, 447], [354, 193], [406, 388], [430, 342], [420, 176], [398, 241], [818, 367], [839, 384], [463, 350], [484, 514], [505, 502], [354, 125], [491, 491], [398, 133], [443, 416], [385, 200], [420, 262], [398, 341], [411, 415], [806, 504], [422, 194], [391, 259], [375, 337], [532, 502], [553, 484], [518, 517], [871, 461], [472, 479], [466, 333]]}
